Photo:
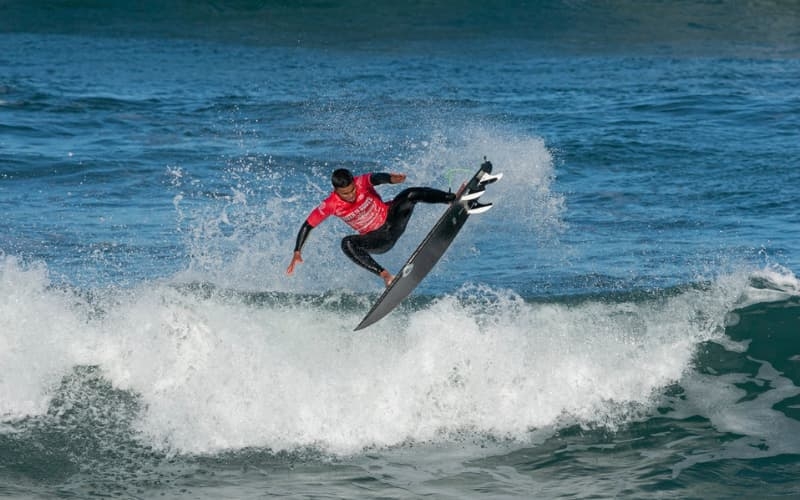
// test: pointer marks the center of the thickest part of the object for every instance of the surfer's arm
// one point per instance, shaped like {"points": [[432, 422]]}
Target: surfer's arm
{"points": [[379, 178], [302, 236]]}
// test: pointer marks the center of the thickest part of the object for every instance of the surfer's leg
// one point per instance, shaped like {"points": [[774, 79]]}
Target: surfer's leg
{"points": [[359, 246], [403, 206], [406, 198]]}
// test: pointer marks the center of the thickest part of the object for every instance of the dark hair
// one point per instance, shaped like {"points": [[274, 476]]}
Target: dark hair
{"points": [[341, 178]]}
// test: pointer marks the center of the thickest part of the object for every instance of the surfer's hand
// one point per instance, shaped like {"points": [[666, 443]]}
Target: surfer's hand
{"points": [[295, 259], [397, 178]]}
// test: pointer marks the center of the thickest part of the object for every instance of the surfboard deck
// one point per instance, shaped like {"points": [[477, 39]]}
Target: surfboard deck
{"points": [[433, 246]]}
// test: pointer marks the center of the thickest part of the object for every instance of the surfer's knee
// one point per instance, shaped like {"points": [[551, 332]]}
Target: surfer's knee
{"points": [[360, 255], [348, 246]]}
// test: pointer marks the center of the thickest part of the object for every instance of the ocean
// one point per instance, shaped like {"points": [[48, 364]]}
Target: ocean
{"points": [[624, 322]]}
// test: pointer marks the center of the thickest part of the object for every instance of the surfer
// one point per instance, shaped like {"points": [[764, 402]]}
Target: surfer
{"points": [[379, 224]]}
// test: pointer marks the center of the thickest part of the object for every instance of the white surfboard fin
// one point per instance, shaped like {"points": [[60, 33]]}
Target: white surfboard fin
{"points": [[472, 196], [479, 208], [490, 178]]}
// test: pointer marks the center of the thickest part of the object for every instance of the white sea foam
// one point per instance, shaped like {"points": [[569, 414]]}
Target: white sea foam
{"points": [[218, 373]]}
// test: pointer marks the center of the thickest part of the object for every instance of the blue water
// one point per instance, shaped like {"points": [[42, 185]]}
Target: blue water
{"points": [[623, 322]]}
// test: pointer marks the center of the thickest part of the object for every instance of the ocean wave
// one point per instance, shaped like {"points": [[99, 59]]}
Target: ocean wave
{"points": [[193, 369]]}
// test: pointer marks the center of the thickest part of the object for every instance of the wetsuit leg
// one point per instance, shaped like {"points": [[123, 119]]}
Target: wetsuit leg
{"points": [[403, 206], [358, 247]]}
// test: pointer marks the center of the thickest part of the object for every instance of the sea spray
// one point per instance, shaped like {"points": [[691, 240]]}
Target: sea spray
{"points": [[240, 231], [217, 371]]}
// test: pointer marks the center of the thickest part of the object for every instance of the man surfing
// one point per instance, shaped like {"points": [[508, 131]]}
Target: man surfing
{"points": [[379, 224]]}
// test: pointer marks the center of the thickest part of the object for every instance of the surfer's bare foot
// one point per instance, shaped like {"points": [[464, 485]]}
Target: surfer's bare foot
{"points": [[387, 277]]}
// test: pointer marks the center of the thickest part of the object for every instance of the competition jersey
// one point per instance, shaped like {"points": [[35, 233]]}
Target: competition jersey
{"points": [[367, 213]]}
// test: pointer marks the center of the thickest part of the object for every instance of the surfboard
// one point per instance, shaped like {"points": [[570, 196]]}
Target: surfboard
{"points": [[435, 244]]}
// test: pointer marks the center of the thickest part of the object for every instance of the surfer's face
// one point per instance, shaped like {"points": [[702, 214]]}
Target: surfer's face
{"points": [[347, 193]]}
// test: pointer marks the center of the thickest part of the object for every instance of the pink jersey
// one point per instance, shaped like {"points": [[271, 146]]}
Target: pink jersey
{"points": [[367, 213]]}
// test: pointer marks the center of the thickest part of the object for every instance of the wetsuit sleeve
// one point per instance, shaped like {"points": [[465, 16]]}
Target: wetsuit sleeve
{"points": [[379, 178], [302, 236]]}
